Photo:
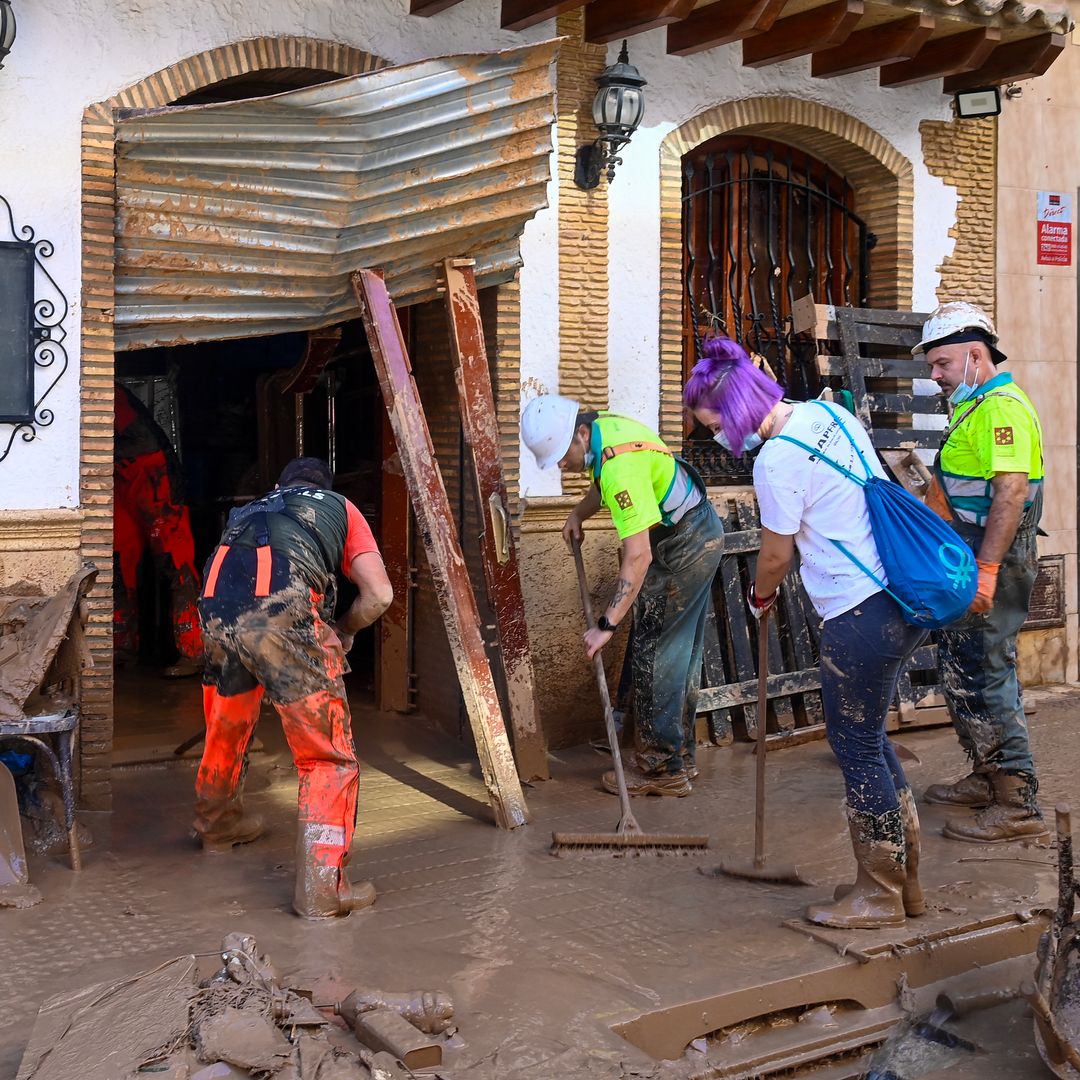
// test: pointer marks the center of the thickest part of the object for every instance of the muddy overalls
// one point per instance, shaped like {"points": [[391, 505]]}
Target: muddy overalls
{"points": [[645, 486], [266, 607], [998, 432]]}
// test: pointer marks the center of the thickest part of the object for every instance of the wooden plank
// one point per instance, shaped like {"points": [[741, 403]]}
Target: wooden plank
{"points": [[393, 678], [781, 740], [854, 379], [804, 33], [521, 14], [742, 653], [951, 55], [799, 613], [874, 46], [719, 720], [722, 23], [439, 534], [907, 404], [1011, 62], [905, 439], [472, 373], [876, 367], [745, 693], [427, 8], [610, 20]]}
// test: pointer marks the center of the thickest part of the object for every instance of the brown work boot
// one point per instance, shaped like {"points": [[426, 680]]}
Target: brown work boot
{"points": [[220, 822], [876, 900], [639, 782], [323, 891], [1013, 814], [914, 901], [184, 668], [972, 790]]}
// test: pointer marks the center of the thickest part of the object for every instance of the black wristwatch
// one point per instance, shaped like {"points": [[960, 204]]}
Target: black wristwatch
{"points": [[603, 624]]}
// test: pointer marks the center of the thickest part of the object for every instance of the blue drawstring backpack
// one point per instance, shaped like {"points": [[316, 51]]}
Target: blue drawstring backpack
{"points": [[932, 572]]}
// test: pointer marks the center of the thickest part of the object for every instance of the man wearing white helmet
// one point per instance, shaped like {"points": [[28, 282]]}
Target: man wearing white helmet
{"points": [[990, 470], [672, 541]]}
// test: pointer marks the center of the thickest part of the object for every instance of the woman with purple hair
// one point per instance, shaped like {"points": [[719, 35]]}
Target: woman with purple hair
{"points": [[806, 504]]}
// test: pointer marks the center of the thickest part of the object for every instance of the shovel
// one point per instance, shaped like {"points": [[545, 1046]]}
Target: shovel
{"points": [[15, 887]]}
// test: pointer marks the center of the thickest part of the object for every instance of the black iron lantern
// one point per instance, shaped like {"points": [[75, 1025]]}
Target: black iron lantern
{"points": [[7, 29], [618, 108]]}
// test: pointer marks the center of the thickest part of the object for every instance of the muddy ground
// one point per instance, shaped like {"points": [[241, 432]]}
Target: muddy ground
{"points": [[543, 955]]}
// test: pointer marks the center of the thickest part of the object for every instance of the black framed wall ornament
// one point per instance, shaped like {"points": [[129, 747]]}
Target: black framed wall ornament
{"points": [[32, 312]]}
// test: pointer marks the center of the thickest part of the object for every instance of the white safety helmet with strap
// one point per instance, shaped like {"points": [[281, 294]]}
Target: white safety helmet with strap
{"points": [[958, 317], [547, 427]]}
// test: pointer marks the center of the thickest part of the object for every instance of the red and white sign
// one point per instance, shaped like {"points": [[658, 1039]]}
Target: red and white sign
{"points": [[1054, 225]]}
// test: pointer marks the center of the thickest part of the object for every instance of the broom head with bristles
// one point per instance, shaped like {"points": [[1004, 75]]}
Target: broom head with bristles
{"points": [[638, 843]]}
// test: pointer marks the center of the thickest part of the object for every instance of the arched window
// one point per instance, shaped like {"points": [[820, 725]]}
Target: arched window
{"points": [[765, 223]]}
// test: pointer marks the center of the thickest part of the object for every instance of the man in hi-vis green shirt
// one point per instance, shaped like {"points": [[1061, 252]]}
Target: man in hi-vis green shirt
{"points": [[990, 470], [672, 541]]}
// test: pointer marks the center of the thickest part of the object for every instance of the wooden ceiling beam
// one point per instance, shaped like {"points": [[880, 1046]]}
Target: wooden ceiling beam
{"points": [[874, 46], [721, 23], [804, 33], [426, 8], [521, 14], [611, 20], [941, 57], [1027, 58]]}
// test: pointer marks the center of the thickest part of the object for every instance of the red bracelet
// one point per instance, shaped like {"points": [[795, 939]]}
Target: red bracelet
{"points": [[759, 602]]}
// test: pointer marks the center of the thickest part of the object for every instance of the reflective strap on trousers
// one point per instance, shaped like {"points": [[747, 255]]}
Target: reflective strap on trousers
{"points": [[262, 571], [215, 569]]}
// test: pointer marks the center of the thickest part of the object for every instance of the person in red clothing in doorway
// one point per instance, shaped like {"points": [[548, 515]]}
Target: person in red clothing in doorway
{"points": [[149, 511], [267, 608]]}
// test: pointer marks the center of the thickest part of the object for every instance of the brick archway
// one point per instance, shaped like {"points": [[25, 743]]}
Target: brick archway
{"points": [[884, 189], [180, 80]]}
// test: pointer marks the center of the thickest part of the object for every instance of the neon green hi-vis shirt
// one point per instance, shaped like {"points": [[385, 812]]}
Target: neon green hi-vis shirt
{"points": [[641, 488], [1001, 435]]}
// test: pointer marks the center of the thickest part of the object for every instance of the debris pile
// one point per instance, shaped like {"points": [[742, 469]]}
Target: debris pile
{"points": [[239, 1023]]}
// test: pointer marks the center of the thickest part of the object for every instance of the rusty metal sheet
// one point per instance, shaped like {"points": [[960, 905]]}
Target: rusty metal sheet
{"points": [[435, 524], [245, 218]]}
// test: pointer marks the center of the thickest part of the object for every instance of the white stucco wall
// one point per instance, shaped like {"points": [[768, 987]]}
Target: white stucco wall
{"points": [[71, 53], [683, 87]]}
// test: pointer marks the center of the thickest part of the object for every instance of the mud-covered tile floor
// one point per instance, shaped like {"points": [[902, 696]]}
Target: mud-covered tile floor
{"points": [[541, 954]]}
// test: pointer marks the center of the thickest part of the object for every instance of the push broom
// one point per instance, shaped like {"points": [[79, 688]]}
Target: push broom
{"points": [[628, 834], [759, 869]]}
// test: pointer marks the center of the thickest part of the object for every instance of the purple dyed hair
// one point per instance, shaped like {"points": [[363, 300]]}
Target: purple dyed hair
{"points": [[727, 382]]}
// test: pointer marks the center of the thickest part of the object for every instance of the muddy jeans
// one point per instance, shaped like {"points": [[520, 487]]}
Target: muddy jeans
{"points": [[862, 653], [977, 659], [669, 634]]}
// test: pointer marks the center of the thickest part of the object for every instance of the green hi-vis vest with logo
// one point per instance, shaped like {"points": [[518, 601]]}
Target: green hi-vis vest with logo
{"points": [[642, 488], [996, 432]]}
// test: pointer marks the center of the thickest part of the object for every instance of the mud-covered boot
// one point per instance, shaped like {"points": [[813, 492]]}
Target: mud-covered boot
{"points": [[1013, 814], [971, 790], [914, 901], [220, 824], [876, 899], [323, 891]]}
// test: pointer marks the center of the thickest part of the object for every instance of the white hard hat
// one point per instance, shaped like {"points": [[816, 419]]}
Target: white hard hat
{"points": [[956, 318], [547, 427]]}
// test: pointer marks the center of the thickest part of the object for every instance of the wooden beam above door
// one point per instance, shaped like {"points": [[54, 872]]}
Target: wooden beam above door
{"points": [[425, 8], [952, 55], [1011, 62], [521, 14], [874, 46], [721, 23], [804, 33], [610, 20]]}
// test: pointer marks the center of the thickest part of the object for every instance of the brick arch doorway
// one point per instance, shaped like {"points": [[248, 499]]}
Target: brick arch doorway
{"points": [[252, 68]]}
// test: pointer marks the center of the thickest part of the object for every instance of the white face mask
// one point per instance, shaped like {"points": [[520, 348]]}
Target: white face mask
{"points": [[965, 390], [751, 442], [590, 457]]}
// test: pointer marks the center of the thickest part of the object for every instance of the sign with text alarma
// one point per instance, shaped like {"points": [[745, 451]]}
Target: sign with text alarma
{"points": [[1054, 224]]}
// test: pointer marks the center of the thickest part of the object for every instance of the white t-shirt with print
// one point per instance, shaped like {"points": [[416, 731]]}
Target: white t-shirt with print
{"points": [[802, 496]]}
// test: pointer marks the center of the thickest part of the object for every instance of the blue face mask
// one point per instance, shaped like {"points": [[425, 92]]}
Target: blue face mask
{"points": [[590, 457], [751, 442], [965, 391]]}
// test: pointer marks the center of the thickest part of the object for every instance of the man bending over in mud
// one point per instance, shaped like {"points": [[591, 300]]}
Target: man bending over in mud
{"points": [[266, 607]]}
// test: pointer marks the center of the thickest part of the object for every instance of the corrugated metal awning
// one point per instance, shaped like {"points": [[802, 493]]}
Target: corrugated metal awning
{"points": [[245, 218]]}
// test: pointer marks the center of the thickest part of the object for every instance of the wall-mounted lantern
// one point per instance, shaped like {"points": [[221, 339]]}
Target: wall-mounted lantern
{"points": [[618, 108], [31, 332], [7, 29]]}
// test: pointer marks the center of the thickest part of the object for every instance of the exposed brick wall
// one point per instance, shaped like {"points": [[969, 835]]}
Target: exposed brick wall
{"points": [[97, 344], [963, 153], [884, 197]]}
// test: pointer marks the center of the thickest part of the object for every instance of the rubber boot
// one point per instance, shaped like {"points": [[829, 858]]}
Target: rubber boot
{"points": [[876, 899], [971, 790], [323, 891], [1013, 814], [222, 823], [914, 901]]}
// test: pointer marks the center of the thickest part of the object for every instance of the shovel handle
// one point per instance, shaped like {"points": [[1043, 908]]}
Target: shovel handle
{"points": [[762, 713]]}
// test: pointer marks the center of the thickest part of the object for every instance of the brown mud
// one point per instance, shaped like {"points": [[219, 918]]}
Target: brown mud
{"points": [[543, 957]]}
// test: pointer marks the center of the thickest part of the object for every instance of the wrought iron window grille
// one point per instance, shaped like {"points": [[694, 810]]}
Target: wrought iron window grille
{"points": [[32, 333]]}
